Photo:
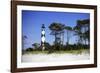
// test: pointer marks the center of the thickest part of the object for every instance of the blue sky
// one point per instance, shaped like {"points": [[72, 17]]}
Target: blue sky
{"points": [[32, 21]]}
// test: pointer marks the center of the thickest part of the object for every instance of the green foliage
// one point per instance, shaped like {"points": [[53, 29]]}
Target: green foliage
{"points": [[56, 26], [80, 51], [81, 30], [36, 45], [57, 31], [47, 46], [29, 49]]}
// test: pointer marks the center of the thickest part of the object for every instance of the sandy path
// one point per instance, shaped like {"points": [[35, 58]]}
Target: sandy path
{"points": [[54, 57]]}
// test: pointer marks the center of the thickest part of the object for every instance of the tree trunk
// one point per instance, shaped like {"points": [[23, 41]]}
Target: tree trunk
{"points": [[67, 38]]}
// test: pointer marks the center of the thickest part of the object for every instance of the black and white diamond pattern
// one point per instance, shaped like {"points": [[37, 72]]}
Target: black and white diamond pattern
{"points": [[43, 37]]}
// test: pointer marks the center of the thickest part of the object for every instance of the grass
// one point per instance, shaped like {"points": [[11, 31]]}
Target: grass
{"points": [[59, 52]]}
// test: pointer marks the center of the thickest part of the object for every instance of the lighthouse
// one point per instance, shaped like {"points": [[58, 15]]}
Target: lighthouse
{"points": [[43, 36]]}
